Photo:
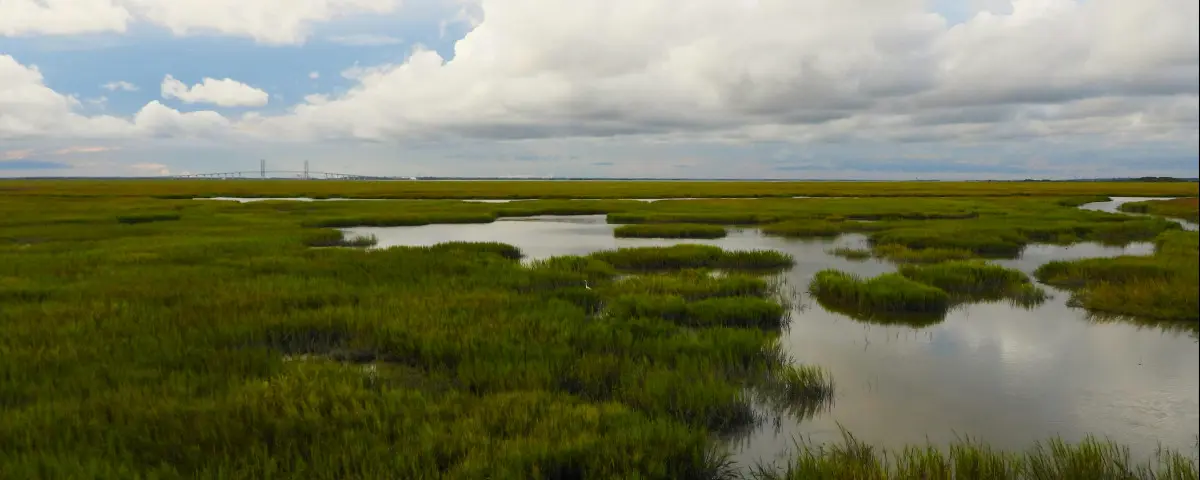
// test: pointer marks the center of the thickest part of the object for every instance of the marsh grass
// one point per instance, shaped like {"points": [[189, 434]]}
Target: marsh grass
{"points": [[673, 230], [903, 254], [976, 280], [886, 297], [803, 386], [745, 312], [916, 320], [223, 346], [689, 256], [807, 229], [1183, 208], [1053, 459], [135, 218], [690, 218], [691, 285], [859, 254], [1160, 288], [226, 346], [534, 189], [335, 238], [1006, 238], [980, 241]]}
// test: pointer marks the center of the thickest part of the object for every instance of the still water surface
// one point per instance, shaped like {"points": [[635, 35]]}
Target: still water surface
{"points": [[996, 373]]}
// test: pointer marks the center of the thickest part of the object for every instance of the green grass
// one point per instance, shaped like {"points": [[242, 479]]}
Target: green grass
{"points": [[135, 218], [903, 254], [688, 256], [185, 189], [1054, 459], [975, 280], [335, 238], [886, 297], [674, 230], [690, 285], [222, 345], [851, 253], [711, 312], [805, 229], [1006, 238], [1184, 208], [1161, 287]]}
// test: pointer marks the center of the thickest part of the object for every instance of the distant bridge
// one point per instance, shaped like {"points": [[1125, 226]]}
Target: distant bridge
{"points": [[306, 174]]}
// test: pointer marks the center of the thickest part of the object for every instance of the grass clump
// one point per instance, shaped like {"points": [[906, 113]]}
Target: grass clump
{"points": [[882, 298], [688, 256], [470, 248], [1177, 244], [977, 280], [1160, 288], [798, 385], [851, 253], [336, 238], [135, 218], [746, 312], [1183, 208], [671, 230], [1054, 459], [691, 285], [979, 241], [903, 254], [691, 218], [805, 229]]}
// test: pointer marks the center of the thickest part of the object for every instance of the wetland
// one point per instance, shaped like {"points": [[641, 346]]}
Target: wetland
{"points": [[535, 339]]}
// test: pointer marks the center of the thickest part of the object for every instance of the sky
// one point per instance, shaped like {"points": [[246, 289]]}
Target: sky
{"points": [[789, 89]]}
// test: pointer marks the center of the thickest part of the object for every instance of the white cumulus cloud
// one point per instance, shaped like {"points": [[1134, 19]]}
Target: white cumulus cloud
{"points": [[30, 109], [783, 70], [265, 21], [225, 92], [61, 17]]}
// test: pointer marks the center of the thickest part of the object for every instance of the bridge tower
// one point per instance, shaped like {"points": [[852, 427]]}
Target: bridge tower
{"points": [[262, 168]]}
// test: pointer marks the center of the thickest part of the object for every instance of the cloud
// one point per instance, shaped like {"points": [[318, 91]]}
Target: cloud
{"points": [[225, 92], [366, 40], [891, 75], [265, 21], [151, 168], [30, 109], [737, 71], [16, 154], [61, 17], [314, 75], [83, 149], [158, 120], [120, 85]]}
